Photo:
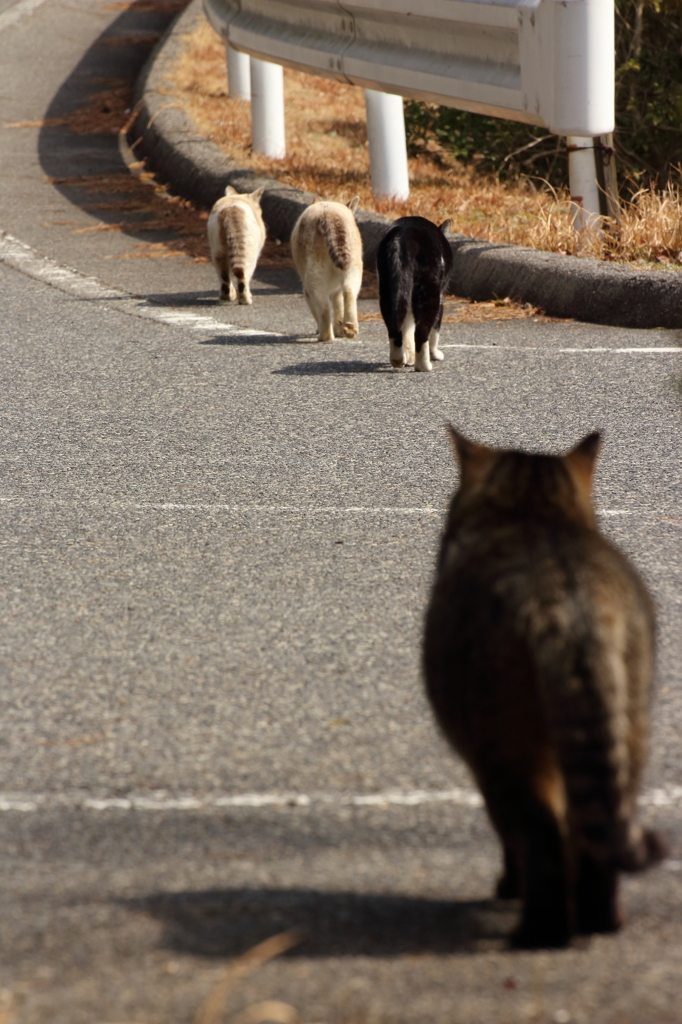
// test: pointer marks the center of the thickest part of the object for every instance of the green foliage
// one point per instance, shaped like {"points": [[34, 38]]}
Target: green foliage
{"points": [[648, 136], [649, 89]]}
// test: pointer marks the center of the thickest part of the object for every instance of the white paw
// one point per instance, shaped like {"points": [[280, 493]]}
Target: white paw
{"points": [[396, 354], [437, 354], [422, 361], [350, 329]]}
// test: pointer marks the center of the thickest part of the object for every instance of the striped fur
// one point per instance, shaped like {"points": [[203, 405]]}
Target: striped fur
{"points": [[538, 658], [327, 252], [236, 235]]}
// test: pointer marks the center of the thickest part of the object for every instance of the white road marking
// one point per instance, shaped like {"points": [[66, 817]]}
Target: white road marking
{"points": [[311, 510], [18, 11], [299, 509], [28, 261], [638, 349], [160, 800]]}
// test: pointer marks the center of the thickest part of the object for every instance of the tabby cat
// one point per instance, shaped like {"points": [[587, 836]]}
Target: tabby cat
{"points": [[236, 235], [327, 252], [538, 658]]}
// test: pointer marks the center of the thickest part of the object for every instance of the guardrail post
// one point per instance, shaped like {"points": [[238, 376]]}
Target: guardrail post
{"points": [[582, 179], [238, 74], [267, 109], [387, 145]]}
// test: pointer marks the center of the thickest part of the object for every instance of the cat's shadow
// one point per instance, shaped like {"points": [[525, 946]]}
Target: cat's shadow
{"points": [[335, 367], [226, 922], [266, 338]]}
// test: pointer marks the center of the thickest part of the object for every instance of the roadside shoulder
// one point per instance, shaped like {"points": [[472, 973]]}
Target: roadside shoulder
{"points": [[564, 286]]}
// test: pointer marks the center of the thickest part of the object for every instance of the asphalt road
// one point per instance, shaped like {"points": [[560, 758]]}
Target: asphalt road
{"points": [[217, 540]]}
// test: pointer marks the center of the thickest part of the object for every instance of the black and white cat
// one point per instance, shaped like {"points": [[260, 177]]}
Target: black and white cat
{"points": [[414, 261]]}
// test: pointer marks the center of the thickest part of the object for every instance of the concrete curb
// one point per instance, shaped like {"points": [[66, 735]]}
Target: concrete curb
{"points": [[564, 286]]}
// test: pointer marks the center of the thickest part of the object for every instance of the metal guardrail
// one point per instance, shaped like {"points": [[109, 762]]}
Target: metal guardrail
{"points": [[545, 62]]}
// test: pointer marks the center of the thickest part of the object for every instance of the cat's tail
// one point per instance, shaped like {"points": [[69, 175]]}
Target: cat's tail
{"points": [[337, 240], [396, 282], [232, 245], [586, 695]]}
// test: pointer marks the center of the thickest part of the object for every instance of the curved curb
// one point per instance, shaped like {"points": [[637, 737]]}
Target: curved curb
{"points": [[564, 286]]}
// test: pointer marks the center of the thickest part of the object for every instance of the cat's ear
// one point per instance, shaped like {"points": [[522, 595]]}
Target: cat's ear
{"points": [[473, 458], [318, 199], [582, 459], [229, 191], [445, 226], [255, 196], [353, 204]]}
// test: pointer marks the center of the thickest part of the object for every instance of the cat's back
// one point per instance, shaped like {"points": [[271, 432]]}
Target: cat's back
{"points": [[416, 236], [534, 612], [240, 211], [326, 232], [525, 573]]}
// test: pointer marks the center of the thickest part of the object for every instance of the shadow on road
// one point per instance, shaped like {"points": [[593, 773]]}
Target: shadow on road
{"points": [[225, 923], [338, 367], [237, 340]]}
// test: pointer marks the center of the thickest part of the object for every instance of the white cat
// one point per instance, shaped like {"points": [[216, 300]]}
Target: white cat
{"points": [[327, 252], [236, 235]]}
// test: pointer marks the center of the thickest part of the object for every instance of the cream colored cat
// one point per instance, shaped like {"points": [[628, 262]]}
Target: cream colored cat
{"points": [[327, 252], [236, 235]]}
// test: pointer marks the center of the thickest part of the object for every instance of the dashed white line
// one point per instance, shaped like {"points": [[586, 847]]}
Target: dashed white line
{"points": [[28, 261], [633, 349], [308, 510], [669, 796]]}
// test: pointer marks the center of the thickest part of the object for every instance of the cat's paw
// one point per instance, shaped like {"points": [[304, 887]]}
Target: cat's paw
{"points": [[422, 362], [350, 329], [438, 355], [396, 354]]}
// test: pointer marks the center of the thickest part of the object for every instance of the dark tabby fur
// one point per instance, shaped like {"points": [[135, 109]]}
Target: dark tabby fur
{"points": [[414, 261], [538, 657]]}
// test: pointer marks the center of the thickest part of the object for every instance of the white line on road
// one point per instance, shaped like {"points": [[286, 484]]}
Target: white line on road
{"points": [[28, 261], [639, 349], [18, 11], [669, 796], [311, 510]]}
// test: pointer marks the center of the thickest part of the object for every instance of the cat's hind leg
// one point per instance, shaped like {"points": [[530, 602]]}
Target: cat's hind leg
{"points": [[422, 359], [227, 289], [393, 303], [242, 284], [548, 905], [434, 337], [409, 338], [337, 312], [321, 308], [536, 858], [426, 306], [597, 897], [351, 327]]}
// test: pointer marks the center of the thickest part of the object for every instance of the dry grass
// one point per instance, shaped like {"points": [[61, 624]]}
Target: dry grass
{"points": [[270, 1010], [327, 154]]}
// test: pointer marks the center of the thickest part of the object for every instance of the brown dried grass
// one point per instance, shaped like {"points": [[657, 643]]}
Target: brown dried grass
{"points": [[327, 154]]}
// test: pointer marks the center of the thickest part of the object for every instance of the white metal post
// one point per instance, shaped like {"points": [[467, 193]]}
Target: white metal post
{"points": [[387, 145], [582, 178], [238, 74], [267, 109]]}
